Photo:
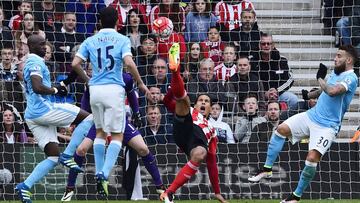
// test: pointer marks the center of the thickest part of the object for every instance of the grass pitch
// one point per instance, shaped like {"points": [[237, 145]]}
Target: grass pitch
{"points": [[198, 201]]}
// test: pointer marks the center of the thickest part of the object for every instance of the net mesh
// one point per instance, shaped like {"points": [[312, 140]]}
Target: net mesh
{"points": [[305, 32]]}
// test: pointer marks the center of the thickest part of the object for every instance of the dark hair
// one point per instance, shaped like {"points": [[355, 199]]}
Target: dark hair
{"points": [[201, 94], [207, 11], [217, 27], [264, 34], [108, 17], [351, 51], [173, 12], [150, 36], [143, 29]]}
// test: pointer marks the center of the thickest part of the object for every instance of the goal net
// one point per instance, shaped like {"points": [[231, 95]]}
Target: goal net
{"points": [[303, 33]]}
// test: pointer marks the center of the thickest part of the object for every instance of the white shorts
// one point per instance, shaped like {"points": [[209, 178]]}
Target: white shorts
{"points": [[301, 127], [44, 127], [108, 107]]}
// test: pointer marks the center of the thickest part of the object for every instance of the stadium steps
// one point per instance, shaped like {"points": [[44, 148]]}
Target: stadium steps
{"points": [[304, 41], [282, 4], [293, 28], [297, 32]]}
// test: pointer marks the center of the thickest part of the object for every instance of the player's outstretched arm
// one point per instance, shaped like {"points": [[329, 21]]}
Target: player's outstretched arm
{"points": [[76, 65], [130, 64]]}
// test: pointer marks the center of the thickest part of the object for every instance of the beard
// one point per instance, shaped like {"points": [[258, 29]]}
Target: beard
{"points": [[339, 69]]}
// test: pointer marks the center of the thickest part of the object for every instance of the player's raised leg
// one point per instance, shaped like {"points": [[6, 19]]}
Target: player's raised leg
{"points": [[275, 146]]}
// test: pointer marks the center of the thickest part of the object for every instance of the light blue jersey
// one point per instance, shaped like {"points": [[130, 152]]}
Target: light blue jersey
{"points": [[106, 51], [329, 111], [37, 104]]}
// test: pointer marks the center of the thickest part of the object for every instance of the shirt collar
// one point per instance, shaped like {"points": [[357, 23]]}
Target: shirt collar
{"points": [[35, 55], [107, 30], [64, 31]]}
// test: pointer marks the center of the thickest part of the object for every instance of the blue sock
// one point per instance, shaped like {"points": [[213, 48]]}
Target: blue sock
{"points": [[150, 165], [306, 176], [99, 154], [79, 134], [41, 170], [112, 154], [276, 144], [72, 174]]}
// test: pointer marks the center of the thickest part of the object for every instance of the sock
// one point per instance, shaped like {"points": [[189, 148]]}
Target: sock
{"points": [[150, 165], [112, 154], [276, 144], [177, 85], [92, 133], [79, 134], [184, 176], [99, 153], [306, 176], [41, 170], [169, 101], [72, 174]]}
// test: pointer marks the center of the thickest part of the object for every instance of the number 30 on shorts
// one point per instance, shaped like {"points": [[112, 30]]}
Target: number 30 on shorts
{"points": [[323, 142]]}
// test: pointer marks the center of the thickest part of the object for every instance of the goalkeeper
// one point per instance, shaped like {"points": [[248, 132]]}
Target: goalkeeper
{"points": [[321, 123], [132, 138], [192, 132]]}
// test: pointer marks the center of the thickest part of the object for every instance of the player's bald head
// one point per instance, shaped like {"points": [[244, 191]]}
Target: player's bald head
{"points": [[37, 44]]}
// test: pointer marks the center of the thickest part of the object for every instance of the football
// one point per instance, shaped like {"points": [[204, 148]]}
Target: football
{"points": [[5, 176], [162, 27]]}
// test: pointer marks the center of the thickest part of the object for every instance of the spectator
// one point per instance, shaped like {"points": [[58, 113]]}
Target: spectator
{"points": [[246, 37], [229, 14], [124, 6], [165, 44], [213, 46], [8, 68], [11, 131], [355, 29], [198, 21], [228, 68], [172, 10], [262, 132], [160, 76], [156, 98], [86, 14], [246, 82], [5, 33], [192, 59], [134, 28], [27, 27], [224, 132], [147, 55], [44, 12], [274, 71], [244, 126], [156, 132], [50, 63], [206, 82], [22, 50], [64, 40], [23, 7], [12, 87]]}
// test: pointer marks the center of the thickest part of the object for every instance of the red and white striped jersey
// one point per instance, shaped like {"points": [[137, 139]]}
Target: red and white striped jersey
{"points": [[230, 15], [213, 50], [224, 73], [15, 22], [202, 122], [122, 13]]}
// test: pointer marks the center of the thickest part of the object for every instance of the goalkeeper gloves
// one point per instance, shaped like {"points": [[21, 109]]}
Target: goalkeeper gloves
{"points": [[136, 120], [321, 73], [60, 89], [305, 95]]}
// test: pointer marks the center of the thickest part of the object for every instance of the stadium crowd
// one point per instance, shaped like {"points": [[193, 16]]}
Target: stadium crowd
{"points": [[223, 53]]}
